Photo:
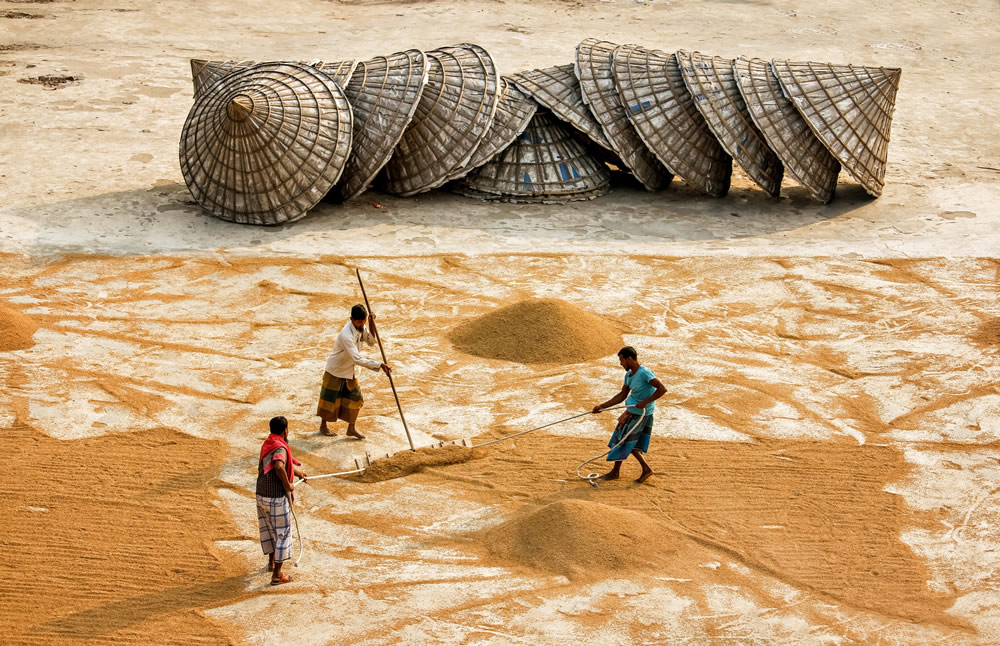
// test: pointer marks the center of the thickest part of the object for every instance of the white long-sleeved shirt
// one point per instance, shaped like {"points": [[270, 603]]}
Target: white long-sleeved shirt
{"points": [[345, 353]]}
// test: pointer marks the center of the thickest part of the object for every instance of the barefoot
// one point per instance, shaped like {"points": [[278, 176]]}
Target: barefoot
{"points": [[354, 433], [645, 476], [611, 475], [326, 431]]}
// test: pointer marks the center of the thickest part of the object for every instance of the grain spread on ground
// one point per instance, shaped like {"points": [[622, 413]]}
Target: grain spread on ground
{"points": [[113, 538], [406, 462], [538, 331]]}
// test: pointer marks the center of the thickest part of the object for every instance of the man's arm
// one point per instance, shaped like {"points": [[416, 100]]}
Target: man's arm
{"points": [[279, 467], [617, 399], [660, 391], [352, 350]]}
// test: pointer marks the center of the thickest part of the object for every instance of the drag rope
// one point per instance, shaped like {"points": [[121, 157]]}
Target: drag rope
{"points": [[291, 507], [560, 421], [592, 478]]}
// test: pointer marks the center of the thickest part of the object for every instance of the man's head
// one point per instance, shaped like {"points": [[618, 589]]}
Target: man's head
{"points": [[628, 357], [358, 315], [279, 426]]}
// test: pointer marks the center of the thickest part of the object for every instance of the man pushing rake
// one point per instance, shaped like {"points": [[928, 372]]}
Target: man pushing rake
{"points": [[340, 395]]}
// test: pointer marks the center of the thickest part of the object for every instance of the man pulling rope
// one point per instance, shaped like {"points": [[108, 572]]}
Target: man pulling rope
{"points": [[275, 494], [640, 389]]}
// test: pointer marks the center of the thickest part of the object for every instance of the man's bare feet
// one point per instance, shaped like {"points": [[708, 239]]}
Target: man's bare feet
{"points": [[611, 475], [645, 476], [352, 432], [326, 431]]}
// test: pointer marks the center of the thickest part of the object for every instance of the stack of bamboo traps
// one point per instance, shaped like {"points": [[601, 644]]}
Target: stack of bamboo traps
{"points": [[264, 142]]}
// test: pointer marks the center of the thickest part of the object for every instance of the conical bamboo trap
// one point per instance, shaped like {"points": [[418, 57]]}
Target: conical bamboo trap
{"points": [[652, 90], [266, 143], [597, 83], [514, 111], [711, 81], [263, 141], [205, 72], [849, 108], [384, 93], [558, 89], [805, 157], [546, 163], [452, 117]]}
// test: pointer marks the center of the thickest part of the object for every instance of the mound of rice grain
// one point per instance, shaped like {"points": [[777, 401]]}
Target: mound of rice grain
{"points": [[17, 330], [582, 539], [538, 331]]}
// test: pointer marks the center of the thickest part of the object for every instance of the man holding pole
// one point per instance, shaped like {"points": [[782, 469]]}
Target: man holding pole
{"points": [[340, 396]]}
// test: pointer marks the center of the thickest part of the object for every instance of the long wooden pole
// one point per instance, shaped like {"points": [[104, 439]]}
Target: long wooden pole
{"points": [[385, 361]]}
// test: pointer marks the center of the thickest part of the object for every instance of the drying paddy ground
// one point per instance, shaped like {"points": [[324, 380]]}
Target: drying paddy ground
{"points": [[826, 452]]}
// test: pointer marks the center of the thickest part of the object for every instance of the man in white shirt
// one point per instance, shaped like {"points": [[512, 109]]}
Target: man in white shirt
{"points": [[340, 396]]}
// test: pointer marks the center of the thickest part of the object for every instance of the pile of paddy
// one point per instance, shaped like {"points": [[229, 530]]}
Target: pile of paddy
{"points": [[581, 539], [17, 330], [538, 331], [404, 463]]}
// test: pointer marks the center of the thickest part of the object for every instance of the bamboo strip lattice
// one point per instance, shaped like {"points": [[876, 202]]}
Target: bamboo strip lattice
{"points": [[662, 111], [452, 117], [849, 108], [597, 82], [266, 143]]}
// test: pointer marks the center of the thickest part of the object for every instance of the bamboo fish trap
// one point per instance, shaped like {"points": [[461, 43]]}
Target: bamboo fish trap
{"points": [[711, 81], [266, 143], [805, 157], [452, 117], [597, 83], [546, 163], [850, 110], [652, 90]]}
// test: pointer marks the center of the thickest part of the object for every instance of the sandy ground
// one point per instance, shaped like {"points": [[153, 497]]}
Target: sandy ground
{"points": [[826, 453]]}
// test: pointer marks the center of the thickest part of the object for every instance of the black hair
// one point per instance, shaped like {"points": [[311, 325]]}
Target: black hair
{"points": [[628, 352], [278, 425], [359, 313]]}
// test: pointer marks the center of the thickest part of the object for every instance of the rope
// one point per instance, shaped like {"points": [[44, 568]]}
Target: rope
{"points": [[288, 496], [591, 478], [507, 437]]}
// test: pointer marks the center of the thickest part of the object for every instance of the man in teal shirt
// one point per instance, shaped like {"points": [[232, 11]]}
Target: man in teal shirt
{"points": [[635, 426]]}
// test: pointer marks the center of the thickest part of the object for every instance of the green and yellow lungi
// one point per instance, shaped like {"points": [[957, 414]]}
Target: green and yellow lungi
{"points": [[339, 399]]}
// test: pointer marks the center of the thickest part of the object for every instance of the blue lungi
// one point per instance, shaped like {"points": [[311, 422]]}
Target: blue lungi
{"points": [[638, 437]]}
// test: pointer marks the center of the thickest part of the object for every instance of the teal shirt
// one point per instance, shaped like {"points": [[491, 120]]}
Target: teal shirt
{"points": [[639, 389]]}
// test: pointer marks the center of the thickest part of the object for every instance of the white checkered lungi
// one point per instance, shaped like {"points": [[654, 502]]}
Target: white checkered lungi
{"points": [[274, 519]]}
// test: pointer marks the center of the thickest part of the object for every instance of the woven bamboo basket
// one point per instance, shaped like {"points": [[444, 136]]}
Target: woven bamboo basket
{"points": [[849, 108], [546, 164], [597, 83], [204, 72], [711, 82], [266, 143], [452, 117], [514, 111], [384, 93], [558, 89], [805, 157], [662, 111]]}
